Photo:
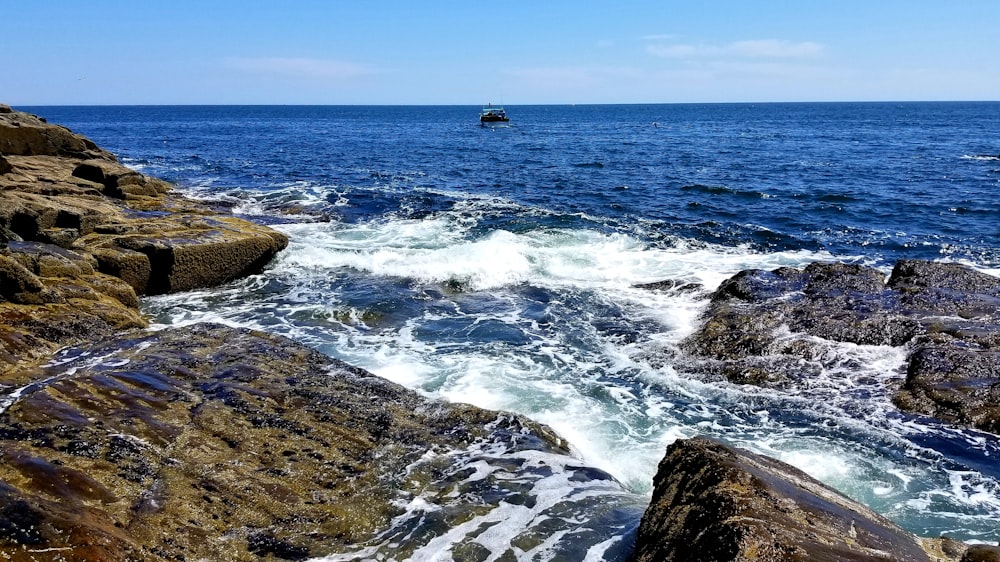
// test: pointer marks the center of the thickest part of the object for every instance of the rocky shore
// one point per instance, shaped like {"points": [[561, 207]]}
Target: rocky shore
{"points": [[216, 443]]}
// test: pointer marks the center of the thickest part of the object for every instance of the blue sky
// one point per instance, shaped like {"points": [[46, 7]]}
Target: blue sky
{"points": [[512, 52]]}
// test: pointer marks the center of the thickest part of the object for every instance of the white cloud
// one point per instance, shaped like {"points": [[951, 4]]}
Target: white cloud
{"points": [[761, 48], [301, 67]]}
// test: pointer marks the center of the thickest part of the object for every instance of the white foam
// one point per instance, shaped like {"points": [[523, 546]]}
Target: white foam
{"points": [[619, 400], [437, 250], [494, 527]]}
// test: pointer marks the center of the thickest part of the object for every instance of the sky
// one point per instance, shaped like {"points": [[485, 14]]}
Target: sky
{"points": [[359, 52]]}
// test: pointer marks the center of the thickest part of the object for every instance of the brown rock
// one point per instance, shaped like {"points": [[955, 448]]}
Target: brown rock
{"points": [[66, 192], [213, 443], [185, 252], [18, 284], [714, 503], [982, 553], [24, 134], [51, 297], [117, 180]]}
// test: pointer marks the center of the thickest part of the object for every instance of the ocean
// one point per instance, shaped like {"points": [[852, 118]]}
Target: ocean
{"points": [[499, 266]]}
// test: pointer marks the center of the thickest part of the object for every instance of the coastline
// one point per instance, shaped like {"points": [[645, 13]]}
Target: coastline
{"points": [[117, 260]]}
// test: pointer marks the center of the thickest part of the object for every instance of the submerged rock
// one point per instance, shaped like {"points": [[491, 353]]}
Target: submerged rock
{"points": [[218, 443], [947, 314], [715, 503]]}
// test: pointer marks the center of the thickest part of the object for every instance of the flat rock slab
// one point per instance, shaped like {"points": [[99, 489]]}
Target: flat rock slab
{"points": [[215, 443]]}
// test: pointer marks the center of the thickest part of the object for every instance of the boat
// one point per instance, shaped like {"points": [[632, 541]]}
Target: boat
{"points": [[491, 114]]}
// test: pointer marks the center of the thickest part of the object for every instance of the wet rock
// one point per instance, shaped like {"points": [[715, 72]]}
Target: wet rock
{"points": [[18, 284], [210, 443], [217, 443], [939, 290], [81, 236], [948, 314], [675, 285], [744, 333], [715, 503], [955, 383], [51, 297]]}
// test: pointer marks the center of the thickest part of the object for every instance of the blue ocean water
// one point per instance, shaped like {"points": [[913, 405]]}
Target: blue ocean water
{"points": [[497, 266]]}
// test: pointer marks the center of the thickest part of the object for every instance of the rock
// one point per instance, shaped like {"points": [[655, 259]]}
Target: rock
{"points": [[949, 315], [23, 134], [184, 252], [67, 192], [982, 553], [955, 383], [51, 297], [215, 443], [117, 180], [840, 302], [675, 285], [953, 373], [5, 166], [715, 503], [19, 285], [946, 289]]}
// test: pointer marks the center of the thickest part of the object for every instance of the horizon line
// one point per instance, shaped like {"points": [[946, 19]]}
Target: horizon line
{"points": [[553, 104]]}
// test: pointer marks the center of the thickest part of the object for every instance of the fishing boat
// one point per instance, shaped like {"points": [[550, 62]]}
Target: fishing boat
{"points": [[491, 114]]}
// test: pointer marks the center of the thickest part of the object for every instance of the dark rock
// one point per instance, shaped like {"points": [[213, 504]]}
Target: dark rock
{"points": [[5, 166], [948, 313], [674, 285], [946, 289], [265, 544], [839, 302], [955, 383], [714, 503], [910, 275], [756, 285]]}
